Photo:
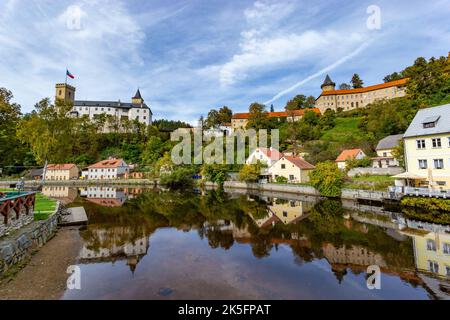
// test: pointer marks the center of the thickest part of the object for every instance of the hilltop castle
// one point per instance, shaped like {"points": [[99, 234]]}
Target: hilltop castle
{"points": [[136, 110], [350, 99]]}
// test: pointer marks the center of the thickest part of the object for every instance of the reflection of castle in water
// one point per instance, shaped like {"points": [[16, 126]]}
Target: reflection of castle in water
{"points": [[107, 245]]}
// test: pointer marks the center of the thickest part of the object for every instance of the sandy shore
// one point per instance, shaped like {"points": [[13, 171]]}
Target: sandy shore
{"points": [[44, 277]]}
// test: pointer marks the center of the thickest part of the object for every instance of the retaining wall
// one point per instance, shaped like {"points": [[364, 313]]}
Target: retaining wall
{"points": [[391, 171], [21, 244]]}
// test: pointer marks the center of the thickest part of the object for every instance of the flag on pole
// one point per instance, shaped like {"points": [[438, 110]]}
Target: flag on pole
{"points": [[71, 76]]}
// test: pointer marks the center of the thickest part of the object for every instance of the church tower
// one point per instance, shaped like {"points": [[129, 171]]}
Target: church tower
{"points": [[65, 92], [328, 85], [137, 99]]}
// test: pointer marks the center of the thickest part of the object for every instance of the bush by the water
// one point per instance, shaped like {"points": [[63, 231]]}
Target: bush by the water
{"points": [[429, 204], [178, 178], [328, 179], [281, 179]]}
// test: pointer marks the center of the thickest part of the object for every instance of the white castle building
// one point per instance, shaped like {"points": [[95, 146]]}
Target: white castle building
{"points": [[136, 110]]}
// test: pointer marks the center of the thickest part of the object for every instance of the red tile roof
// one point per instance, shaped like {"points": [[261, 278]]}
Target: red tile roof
{"points": [[66, 166], [300, 162], [280, 114], [394, 83], [271, 153], [113, 163], [348, 154]]}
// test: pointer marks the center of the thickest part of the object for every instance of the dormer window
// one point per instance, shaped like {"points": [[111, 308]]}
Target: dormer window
{"points": [[430, 122]]}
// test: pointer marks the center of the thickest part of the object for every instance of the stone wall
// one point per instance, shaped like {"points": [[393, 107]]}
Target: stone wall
{"points": [[22, 243], [15, 223]]}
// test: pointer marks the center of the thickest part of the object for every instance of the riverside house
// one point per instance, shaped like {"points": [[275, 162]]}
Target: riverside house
{"points": [[265, 155], [294, 169], [349, 154], [68, 171], [108, 169], [427, 150]]}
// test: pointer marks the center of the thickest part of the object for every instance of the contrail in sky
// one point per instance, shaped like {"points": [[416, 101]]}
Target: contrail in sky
{"points": [[320, 72]]}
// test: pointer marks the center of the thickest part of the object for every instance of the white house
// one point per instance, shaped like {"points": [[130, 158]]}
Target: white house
{"points": [[265, 155], [349, 154], [108, 169], [385, 158], [294, 169]]}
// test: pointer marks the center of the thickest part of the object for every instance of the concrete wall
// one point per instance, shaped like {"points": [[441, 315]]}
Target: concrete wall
{"points": [[21, 245], [392, 171]]}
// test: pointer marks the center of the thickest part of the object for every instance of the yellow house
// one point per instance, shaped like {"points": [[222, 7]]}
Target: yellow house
{"points": [[66, 171], [350, 99], [294, 169], [427, 150], [290, 211]]}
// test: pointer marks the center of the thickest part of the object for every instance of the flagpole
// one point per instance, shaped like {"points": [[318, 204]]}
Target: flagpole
{"points": [[66, 75]]}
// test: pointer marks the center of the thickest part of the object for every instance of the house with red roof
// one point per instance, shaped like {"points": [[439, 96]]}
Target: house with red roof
{"points": [[294, 169], [67, 171], [349, 154], [108, 169], [265, 155]]}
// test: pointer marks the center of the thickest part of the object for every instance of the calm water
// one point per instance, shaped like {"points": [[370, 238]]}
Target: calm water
{"points": [[149, 244]]}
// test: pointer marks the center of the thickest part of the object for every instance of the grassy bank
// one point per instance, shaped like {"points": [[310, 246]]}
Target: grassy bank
{"points": [[364, 182], [43, 207]]}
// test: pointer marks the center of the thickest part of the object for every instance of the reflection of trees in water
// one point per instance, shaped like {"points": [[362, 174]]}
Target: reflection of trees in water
{"points": [[188, 211]]}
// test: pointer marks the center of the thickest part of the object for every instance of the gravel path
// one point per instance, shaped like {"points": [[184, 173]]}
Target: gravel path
{"points": [[45, 275]]}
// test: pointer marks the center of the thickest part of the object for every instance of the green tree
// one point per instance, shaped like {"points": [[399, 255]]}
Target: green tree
{"points": [[328, 179], [213, 119], [392, 77], [272, 109], [225, 115], [296, 103], [399, 153], [11, 149], [250, 172], [258, 117], [344, 86], [356, 81], [217, 173]]}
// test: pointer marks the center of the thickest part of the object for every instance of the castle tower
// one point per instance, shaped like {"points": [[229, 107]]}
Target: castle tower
{"points": [[65, 92], [137, 99], [328, 85]]}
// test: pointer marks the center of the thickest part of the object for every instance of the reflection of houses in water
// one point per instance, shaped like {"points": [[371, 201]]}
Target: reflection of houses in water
{"points": [[353, 255], [107, 245], [431, 251], [104, 196], [64, 194], [290, 211], [133, 192]]}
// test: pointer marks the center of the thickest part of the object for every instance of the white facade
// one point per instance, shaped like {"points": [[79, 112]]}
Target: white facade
{"points": [[104, 172], [264, 155]]}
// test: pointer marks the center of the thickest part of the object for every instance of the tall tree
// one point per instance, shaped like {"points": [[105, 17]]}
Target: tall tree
{"points": [[12, 152], [272, 109], [356, 81], [298, 102], [392, 77], [310, 101], [258, 117], [225, 115], [213, 119]]}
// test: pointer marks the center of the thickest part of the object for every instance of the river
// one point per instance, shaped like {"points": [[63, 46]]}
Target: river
{"points": [[154, 244]]}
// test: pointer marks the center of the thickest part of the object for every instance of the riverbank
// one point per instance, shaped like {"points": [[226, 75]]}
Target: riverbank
{"points": [[44, 276]]}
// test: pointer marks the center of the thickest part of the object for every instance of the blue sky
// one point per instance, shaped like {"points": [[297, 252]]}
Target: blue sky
{"points": [[190, 56]]}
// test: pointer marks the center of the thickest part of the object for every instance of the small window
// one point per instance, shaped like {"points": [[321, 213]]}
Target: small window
{"points": [[283, 166], [423, 164], [291, 177], [285, 214], [447, 270], [433, 266], [420, 144], [446, 248], [431, 245], [436, 142], [439, 163]]}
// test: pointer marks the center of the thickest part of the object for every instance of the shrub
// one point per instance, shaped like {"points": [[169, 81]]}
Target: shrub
{"points": [[428, 204], [281, 179], [328, 179], [250, 173], [358, 163], [217, 173], [177, 178]]}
